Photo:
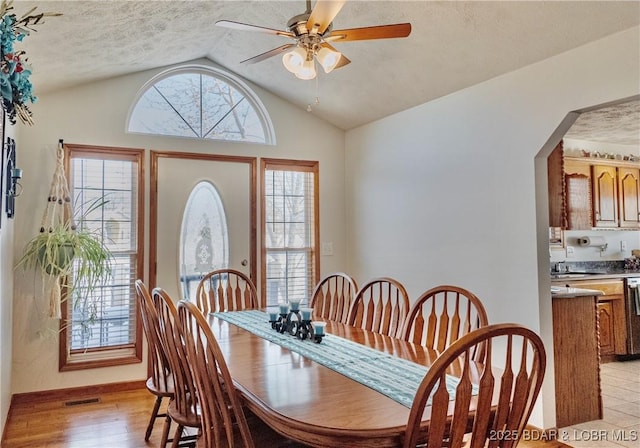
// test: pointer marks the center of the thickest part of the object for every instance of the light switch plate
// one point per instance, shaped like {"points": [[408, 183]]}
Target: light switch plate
{"points": [[570, 251], [327, 249]]}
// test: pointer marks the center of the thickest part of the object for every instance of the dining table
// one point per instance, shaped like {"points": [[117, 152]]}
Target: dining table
{"points": [[313, 403]]}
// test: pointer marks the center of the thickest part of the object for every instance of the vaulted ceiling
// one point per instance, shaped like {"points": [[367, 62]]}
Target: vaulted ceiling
{"points": [[452, 45]]}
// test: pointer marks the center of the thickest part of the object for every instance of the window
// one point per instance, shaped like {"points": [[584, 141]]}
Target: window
{"points": [[203, 103], [103, 328], [204, 240], [290, 229]]}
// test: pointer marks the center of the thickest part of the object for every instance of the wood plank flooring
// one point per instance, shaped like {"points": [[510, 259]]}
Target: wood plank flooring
{"points": [[116, 420]]}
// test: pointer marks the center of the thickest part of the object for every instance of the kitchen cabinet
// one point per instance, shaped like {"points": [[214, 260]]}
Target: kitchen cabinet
{"points": [[587, 193], [629, 194], [605, 196], [555, 178], [577, 184], [606, 327], [612, 320], [576, 360]]}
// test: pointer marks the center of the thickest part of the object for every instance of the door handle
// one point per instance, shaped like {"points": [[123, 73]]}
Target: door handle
{"points": [[244, 262]]}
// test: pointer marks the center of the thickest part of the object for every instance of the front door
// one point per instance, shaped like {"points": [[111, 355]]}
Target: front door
{"points": [[182, 250]]}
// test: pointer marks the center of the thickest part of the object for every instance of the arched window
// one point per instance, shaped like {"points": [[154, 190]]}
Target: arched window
{"points": [[204, 240], [200, 102]]}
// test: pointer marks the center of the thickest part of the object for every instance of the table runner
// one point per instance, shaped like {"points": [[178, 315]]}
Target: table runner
{"points": [[397, 378]]}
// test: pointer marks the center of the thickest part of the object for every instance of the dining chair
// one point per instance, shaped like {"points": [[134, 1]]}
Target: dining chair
{"points": [[443, 315], [224, 423], [494, 395], [183, 409], [226, 290], [332, 297], [160, 381], [381, 306]]}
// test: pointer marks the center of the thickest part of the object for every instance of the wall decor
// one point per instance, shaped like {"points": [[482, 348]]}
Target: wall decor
{"points": [[2, 170], [10, 181], [15, 87]]}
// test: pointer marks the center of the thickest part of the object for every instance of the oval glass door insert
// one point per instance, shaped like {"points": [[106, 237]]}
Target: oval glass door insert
{"points": [[204, 239]]}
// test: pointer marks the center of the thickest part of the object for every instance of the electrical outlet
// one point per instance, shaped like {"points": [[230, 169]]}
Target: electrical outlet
{"points": [[570, 251], [623, 246]]}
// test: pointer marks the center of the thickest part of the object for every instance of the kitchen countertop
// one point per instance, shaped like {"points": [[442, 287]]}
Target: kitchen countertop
{"points": [[564, 292], [577, 275]]}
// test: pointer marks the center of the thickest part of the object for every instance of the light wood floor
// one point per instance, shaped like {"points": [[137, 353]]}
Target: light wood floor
{"points": [[117, 420]]}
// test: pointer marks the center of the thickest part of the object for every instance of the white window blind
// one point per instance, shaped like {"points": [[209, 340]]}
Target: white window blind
{"points": [[290, 231]]}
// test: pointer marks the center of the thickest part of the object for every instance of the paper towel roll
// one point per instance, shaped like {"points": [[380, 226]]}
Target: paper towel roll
{"points": [[588, 241]]}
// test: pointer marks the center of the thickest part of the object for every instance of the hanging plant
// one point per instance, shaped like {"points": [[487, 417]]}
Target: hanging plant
{"points": [[70, 256], [15, 87]]}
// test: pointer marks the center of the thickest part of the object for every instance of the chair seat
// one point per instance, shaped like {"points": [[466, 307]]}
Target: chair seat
{"points": [[191, 419], [164, 389]]}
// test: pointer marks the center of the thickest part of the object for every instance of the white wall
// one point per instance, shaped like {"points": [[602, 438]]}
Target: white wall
{"points": [[95, 114], [6, 304], [445, 193]]}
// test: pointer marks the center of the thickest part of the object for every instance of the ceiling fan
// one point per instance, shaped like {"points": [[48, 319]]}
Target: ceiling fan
{"points": [[313, 34]]}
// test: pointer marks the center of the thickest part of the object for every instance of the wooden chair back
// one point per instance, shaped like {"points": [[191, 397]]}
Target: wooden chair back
{"points": [[183, 409], [226, 290], [381, 305], [332, 297], [160, 381], [160, 371], [496, 415], [220, 404], [442, 315]]}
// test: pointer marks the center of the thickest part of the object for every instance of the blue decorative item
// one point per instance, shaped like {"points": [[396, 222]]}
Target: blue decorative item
{"points": [[15, 87]]}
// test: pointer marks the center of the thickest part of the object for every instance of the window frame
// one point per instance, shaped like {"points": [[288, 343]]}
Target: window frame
{"points": [[122, 354], [308, 166], [232, 80]]}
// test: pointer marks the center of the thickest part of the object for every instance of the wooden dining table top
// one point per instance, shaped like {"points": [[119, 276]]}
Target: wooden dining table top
{"points": [[311, 403]]}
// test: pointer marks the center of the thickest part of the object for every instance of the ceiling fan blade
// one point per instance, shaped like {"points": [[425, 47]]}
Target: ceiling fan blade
{"points": [[343, 59], [323, 14], [267, 54], [247, 27], [371, 32]]}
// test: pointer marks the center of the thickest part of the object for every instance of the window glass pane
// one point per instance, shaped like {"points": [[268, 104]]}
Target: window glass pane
{"points": [[204, 240], [200, 105], [289, 226], [106, 316], [218, 98], [183, 94]]}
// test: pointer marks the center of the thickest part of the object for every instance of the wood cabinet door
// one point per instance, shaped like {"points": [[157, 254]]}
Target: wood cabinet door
{"points": [[605, 328], [605, 194], [577, 182], [629, 194]]}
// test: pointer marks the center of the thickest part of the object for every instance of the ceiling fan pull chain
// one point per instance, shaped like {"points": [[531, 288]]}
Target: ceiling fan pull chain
{"points": [[316, 101]]}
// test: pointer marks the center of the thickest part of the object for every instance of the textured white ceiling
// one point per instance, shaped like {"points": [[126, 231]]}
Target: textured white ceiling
{"points": [[618, 124], [453, 45]]}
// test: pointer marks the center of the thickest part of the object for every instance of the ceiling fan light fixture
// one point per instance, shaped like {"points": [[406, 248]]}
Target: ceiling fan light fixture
{"points": [[294, 59], [328, 59], [307, 71]]}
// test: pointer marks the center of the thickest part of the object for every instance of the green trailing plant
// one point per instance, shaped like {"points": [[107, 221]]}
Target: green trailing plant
{"points": [[72, 258]]}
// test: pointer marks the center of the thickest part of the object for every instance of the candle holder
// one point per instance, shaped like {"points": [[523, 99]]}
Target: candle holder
{"points": [[280, 324], [293, 323], [303, 329]]}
